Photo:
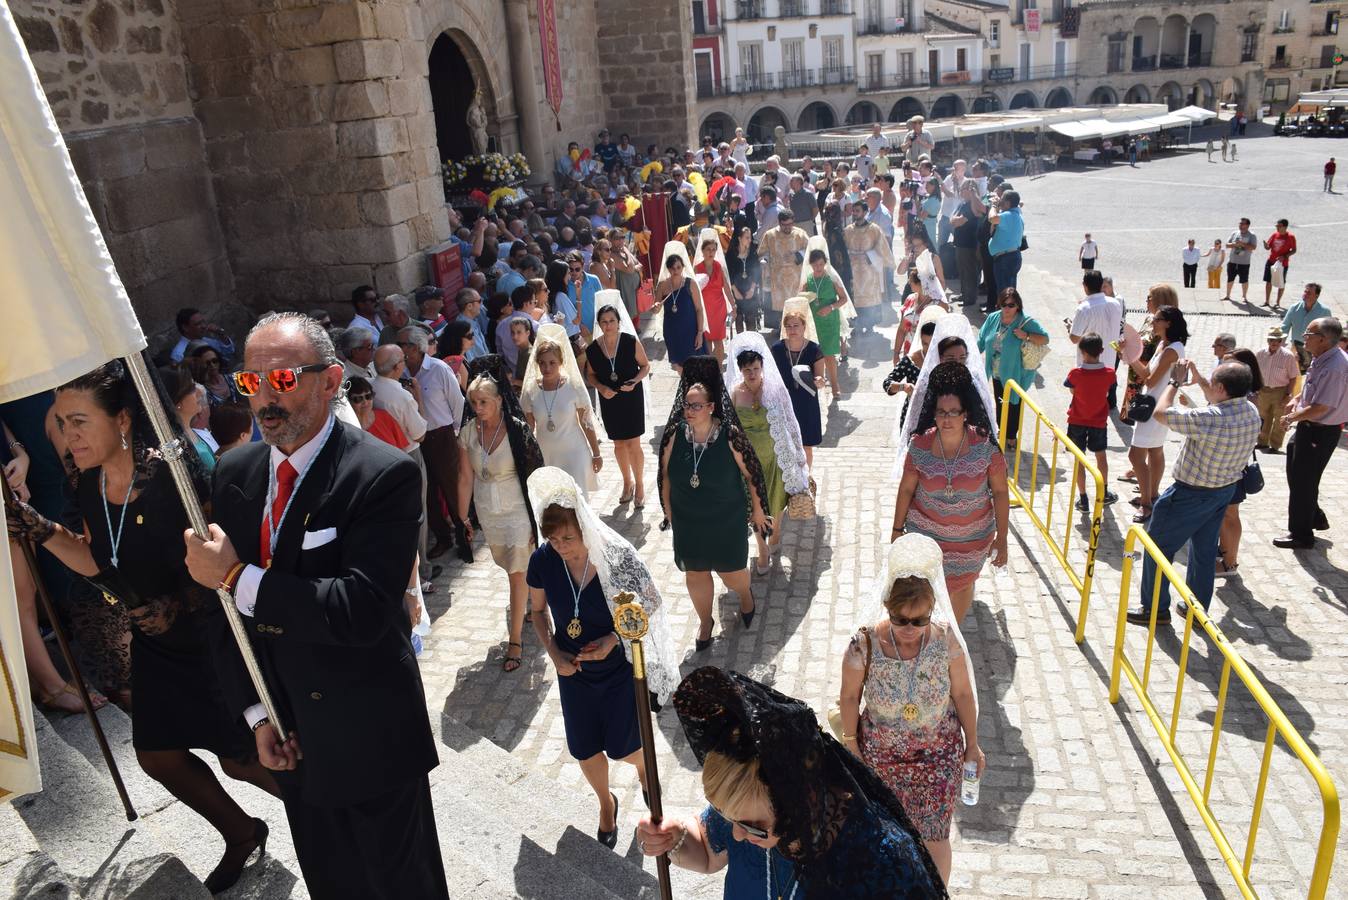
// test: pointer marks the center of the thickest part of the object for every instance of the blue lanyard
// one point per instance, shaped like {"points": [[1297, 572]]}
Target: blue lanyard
{"points": [[274, 527]]}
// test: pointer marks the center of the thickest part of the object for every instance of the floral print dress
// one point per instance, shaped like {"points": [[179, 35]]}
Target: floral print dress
{"points": [[919, 758]]}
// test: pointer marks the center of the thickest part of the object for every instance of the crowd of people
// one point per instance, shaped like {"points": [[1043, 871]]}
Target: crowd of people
{"points": [[486, 411]]}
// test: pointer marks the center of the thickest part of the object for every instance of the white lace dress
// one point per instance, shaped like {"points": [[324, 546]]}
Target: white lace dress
{"points": [[564, 445], [500, 502]]}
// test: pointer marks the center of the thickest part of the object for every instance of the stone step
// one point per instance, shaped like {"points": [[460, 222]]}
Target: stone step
{"points": [[539, 805], [26, 870], [78, 823], [191, 837]]}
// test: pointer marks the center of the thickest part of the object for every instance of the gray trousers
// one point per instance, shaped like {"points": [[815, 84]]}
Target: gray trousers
{"points": [[423, 535]]}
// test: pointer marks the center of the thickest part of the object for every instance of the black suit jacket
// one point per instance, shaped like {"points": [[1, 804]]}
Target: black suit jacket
{"points": [[330, 629]]}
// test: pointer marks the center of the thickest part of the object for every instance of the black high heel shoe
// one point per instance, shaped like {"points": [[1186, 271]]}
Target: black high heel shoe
{"points": [[223, 877], [462, 543], [610, 838], [748, 617]]}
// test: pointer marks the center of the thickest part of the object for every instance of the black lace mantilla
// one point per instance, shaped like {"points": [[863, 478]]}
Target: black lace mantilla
{"points": [[524, 449], [706, 371], [814, 783]]}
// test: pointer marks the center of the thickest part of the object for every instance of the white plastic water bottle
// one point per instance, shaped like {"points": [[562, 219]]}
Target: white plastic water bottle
{"points": [[969, 790]]}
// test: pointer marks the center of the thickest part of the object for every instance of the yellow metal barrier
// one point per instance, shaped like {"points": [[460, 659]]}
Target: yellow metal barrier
{"points": [[1277, 721], [1044, 524]]}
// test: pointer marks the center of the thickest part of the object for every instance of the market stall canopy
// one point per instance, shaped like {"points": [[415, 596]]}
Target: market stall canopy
{"points": [[1194, 114], [1324, 98]]}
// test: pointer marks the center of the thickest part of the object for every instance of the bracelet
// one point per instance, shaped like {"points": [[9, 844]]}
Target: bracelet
{"points": [[231, 579], [849, 737], [16, 445], [260, 722], [683, 836]]}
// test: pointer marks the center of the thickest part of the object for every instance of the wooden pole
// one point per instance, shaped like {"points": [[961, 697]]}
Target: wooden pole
{"points": [[75, 675]]}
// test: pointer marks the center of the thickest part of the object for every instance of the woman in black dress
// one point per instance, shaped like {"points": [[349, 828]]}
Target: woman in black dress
{"points": [[742, 262], [574, 580], [617, 367], [132, 520]]}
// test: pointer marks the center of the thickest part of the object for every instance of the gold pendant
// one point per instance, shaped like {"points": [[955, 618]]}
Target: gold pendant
{"points": [[109, 599], [551, 426], [140, 520], [910, 712], [573, 629], [694, 481]]}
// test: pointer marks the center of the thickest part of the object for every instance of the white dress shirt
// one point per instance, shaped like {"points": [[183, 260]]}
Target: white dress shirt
{"points": [[394, 399], [250, 580], [1104, 316], [441, 396], [1191, 255], [374, 327]]}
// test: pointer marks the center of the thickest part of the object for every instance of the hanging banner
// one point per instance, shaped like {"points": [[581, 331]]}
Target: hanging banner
{"points": [[1032, 20], [552, 58]]}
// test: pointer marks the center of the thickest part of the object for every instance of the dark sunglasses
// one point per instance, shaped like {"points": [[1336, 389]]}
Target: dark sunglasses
{"points": [[283, 381], [904, 621], [752, 830], [697, 407], [361, 397]]}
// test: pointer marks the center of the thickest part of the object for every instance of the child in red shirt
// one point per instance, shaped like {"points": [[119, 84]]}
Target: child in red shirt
{"points": [[1088, 415], [1281, 244]]}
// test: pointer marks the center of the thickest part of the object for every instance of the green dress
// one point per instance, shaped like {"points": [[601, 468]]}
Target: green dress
{"points": [[829, 325], [710, 521], [754, 420]]}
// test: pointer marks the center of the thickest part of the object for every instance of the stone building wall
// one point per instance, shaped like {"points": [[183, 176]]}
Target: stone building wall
{"points": [[114, 76], [320, 137], [583, 111], [647, 76]]}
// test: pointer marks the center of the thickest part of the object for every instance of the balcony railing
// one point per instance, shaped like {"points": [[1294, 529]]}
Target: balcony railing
{"points": [[892, 81], [1199, 60], [777, 81], [1144, 63], [791, 9], [871, 29], [1280, 62], [1011, 74]]}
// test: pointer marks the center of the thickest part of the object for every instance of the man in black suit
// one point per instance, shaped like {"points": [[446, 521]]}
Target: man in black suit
{"points": [[316, 535]]}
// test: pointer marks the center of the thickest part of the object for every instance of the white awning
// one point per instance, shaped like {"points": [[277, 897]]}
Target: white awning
{"points": [[1082, 130], [969, 129], [1194, 114], [1324, 98]]}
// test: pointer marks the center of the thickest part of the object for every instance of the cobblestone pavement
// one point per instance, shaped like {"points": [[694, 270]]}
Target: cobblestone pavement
{"points": [[1080, 799]]}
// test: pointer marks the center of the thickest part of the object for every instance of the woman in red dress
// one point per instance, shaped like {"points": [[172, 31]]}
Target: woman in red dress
{"points": [[716, 292]]}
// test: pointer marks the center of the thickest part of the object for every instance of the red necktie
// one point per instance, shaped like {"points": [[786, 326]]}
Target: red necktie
{"points": [[285, 486]]}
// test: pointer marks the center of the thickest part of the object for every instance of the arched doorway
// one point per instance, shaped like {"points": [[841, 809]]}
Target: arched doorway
{"points": [[1146, 44], [1233, 91], [1024, 100], [906, 108], [1203, 94], [1173, 49], [1202, 38], [1058, 98], [1171, 94], [1138, 93], [763, 123], [456, 75], [1103, 96], [863, 113], [947, 107], [816, 116], [718, 126], [987, 103]]}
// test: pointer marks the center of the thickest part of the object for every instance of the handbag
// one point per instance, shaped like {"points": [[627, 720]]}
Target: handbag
{"points": [[1032, 354], [835, 723], [114, 587], [1141, 407], [645, 297], [1252, 479], [801, 506]]}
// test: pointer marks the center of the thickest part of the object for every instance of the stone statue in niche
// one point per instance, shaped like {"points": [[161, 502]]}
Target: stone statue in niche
{"points": [[477, 124]]}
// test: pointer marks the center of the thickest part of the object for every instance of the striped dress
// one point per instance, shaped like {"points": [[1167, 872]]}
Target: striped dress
{"points": [[961, 521]]}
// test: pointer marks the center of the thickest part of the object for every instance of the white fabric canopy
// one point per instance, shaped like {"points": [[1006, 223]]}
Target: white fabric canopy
{"points": [[1324, 98], [991, 126], [66, 312], [1194, 113]]}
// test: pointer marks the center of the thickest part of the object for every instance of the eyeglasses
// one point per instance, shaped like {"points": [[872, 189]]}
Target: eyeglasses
{"points": [[1308, 333], [949, 413], [360, 398], [905, 622], [1010, 306], [752, 830], [697, 407], [282, 381]]}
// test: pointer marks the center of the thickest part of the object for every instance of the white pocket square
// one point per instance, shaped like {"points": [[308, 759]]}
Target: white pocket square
{"points": [[318, 538]]}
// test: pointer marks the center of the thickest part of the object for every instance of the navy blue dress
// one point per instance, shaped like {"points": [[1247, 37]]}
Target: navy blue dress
{"points": [[680, 329], [599, 700], [803, 402]]}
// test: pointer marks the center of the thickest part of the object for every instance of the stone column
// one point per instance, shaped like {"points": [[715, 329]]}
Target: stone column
{"points": [[521, 49]]}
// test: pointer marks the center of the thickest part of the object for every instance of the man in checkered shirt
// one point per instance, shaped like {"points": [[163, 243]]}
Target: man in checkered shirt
{"points": [[1219, 441]]}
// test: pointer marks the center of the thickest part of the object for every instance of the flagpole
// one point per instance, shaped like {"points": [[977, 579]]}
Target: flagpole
{"points": [[631, 623], [172, 449], [75, 674]]}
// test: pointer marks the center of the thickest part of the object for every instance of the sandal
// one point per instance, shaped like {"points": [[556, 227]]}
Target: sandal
{"points": [[1223, 569], [511, 663], [49, 701], [626, 496], [1143, 515]]}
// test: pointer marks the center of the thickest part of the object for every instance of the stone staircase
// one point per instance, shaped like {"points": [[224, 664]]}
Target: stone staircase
{"points": [[503, 830]]}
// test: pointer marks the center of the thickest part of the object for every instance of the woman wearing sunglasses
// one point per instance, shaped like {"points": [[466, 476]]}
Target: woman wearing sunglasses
{"points": [[791, 814], [711, 485], [921, 720]]}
